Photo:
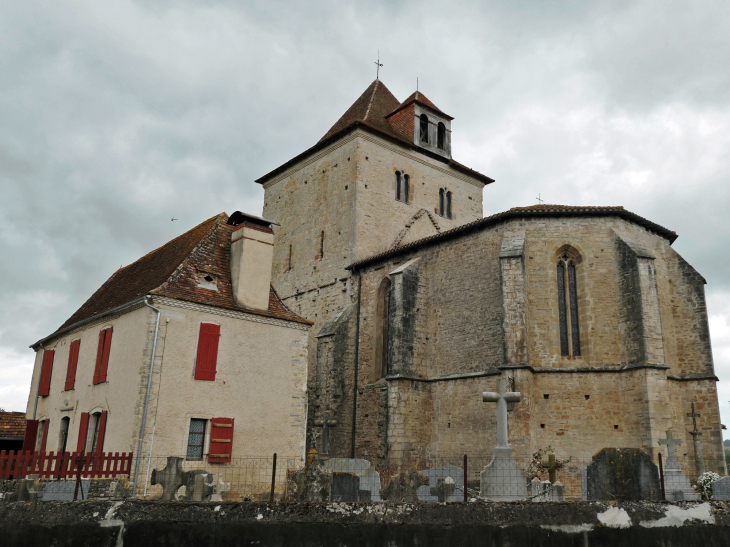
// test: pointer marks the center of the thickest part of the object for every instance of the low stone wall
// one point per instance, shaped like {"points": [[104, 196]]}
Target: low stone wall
{"points": [[116, 488], [582, 524]]}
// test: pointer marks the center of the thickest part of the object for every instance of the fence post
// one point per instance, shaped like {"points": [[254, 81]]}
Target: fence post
{"points": [[273, 480], [79, 466], [466, 478], [661, 476]]}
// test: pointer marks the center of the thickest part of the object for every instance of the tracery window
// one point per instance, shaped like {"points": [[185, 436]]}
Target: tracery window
{"points": [[568, 307], [441, 138], [424, 128]]}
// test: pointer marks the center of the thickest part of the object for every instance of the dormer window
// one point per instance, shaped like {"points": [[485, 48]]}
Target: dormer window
{"points": [[424, 128], [207, 280], [441, 138]]}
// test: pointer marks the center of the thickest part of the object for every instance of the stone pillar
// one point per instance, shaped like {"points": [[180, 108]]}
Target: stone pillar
{"points": [[699, 459], [514, 301]]}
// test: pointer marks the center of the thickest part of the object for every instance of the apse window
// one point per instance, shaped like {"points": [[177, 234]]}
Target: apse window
{"points": [[568, 306]]}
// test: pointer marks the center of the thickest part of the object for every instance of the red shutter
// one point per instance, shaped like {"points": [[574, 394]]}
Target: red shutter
{"points": [[46, 423], [46, 371], [221, 440], [73, 360], [102, 430], [83, 427], [102, 355], [99, 356], [31, 432], [207, 351]]}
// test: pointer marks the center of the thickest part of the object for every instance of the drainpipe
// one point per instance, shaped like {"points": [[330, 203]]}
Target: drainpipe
{"points": [[147, 396], [38, 387]]}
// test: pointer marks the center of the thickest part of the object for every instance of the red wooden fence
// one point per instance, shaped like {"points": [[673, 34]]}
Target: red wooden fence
{"points": [[61, 465]]}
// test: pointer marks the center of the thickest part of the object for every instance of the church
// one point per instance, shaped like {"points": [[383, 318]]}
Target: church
{"points": [[419, 304]]}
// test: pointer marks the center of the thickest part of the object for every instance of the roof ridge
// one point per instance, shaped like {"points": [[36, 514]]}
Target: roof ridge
{"points": [[370, 102]]}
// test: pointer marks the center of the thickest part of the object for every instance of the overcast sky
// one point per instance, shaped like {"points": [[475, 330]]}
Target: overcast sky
{"points": [[116, 116]]}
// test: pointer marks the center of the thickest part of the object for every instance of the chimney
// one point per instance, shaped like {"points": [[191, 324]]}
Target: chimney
{"points": [[252, 252]]}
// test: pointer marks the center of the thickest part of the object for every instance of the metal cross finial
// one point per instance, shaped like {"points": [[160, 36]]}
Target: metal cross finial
{"points": [[378, 64], [694, 415], [540, 200]]}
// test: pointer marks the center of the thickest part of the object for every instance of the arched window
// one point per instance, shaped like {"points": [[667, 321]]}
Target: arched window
{"points": [[424, 128], [441, 142], [321, 245], [63, 434], [406, 187], [382, 310], [441, 202], [568, 307], [397, 186], [448, 205]]}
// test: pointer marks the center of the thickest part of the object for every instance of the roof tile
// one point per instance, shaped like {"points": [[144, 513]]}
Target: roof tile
{"points": [[12, 424]]}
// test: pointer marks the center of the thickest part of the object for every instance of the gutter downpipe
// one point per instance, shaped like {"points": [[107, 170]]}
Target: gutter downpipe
{"points": [[147, 395]]}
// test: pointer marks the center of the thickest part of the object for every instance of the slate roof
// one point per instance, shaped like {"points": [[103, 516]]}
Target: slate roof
{"points": [[370, 112], [517, 212], [174, 270], [12, 424]]}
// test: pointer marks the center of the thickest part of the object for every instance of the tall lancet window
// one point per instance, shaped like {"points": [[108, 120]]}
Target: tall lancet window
{"points": [[441, 202], [424, 128], [397, 186], [406, 187], [568, 307]]}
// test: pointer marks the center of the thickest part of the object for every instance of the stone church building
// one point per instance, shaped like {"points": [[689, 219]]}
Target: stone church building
{"points": [[420, 304]]}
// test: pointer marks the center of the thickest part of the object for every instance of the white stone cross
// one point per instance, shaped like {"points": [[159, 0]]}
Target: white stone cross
{"points": [[670, 441], [502, 398]]}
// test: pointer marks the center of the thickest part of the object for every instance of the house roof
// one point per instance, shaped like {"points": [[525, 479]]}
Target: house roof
{"points": [[12, 425], [370, 112], [541, 210], [174, 270]]}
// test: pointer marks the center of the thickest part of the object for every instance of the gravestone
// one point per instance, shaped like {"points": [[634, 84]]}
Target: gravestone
{"points": [[721, 489], [558, 491], [623, 474], [444, 489], [369, 477], [346, 487], [447, 471], [172, 477], [199, 486], [27, 490], [676, 483], [64, 490], [313, 482], [404, 486], [502, 479]]}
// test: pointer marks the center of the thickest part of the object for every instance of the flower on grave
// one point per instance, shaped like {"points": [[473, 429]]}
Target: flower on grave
{"points": [[704, 483]]}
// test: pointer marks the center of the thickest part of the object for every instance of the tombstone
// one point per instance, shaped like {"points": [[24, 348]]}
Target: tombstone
{"points": [[502, 479], [558, 491], [199, 486], [623, 474], [346, 487], [27, 490], [676, 483], [64, 490], [444, 489], [404, 486], [172, 477], [456, 474], [313, 482], [721, 489], [369, 477]]}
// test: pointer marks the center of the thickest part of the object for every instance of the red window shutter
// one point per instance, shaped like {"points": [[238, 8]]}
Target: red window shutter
{"points": [[46, 371], [102, 431], [83, 430], [31, 432], [73, 360], [221, 440], [102, 355], [46, 423], [205, 364]]}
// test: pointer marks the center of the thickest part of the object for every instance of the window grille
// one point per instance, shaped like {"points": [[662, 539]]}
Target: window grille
{"points": [[196, 439]]}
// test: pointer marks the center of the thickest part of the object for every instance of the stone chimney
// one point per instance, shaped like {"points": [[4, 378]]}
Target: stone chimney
{"points": [[252, 252]]}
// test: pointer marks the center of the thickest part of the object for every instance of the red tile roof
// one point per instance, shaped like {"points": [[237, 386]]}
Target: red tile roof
{"points": [[174, 270], [516, 212], [370, 111], [12, 424], [418, 97]]}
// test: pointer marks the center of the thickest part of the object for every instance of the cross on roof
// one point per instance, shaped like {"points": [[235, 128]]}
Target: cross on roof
{"points": [[378, 64], [540, 200], [501, 398], [694, 415]]}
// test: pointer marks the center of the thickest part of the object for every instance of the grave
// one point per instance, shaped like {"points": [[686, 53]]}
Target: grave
{"points": [[369, 477], [172, 477], [676, 483], [199, 486], [502, 479], [346, 487], [64, 490], [623, 474], [721, 489], [456, 474], [404, 486], [444, 490], [313, 482]]}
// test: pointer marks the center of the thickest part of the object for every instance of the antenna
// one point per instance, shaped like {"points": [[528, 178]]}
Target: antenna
{"points": [[378, 64]]}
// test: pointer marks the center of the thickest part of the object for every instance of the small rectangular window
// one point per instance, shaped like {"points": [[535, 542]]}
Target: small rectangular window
{"points": [[196, 439]]}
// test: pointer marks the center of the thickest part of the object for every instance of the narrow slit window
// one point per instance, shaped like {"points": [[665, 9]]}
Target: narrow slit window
{"points": [[397, 186], [288, 260], [424, 128], [406, 187], [321, 245], [448, 205], [441, 202]]}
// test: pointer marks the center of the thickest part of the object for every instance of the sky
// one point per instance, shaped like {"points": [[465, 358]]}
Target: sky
{"points": [[117, 116]]}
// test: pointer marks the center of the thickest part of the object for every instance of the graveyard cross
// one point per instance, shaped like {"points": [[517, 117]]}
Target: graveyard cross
{"points": [[501, 398], [694, 416], [552, 467], [326, 424], [670, 441]]}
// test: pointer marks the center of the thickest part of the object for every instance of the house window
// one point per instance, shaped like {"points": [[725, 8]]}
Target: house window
{"points": [[568, 306], [46, 371], [441, 141], [207, 359], [94, 424], [92, 430], [40, 443], [196, 439], [424, 128], [63, 434], [73, 361], [102, 355], [382, 311]]}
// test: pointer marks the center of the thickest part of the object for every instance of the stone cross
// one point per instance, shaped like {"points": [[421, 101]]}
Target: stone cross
{"points": [[552, 467], [670, 441], [326, 423], [694, 415], [501, 398]]}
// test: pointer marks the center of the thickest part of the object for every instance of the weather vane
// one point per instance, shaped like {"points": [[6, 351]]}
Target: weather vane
{"points": [[378, 64]]}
